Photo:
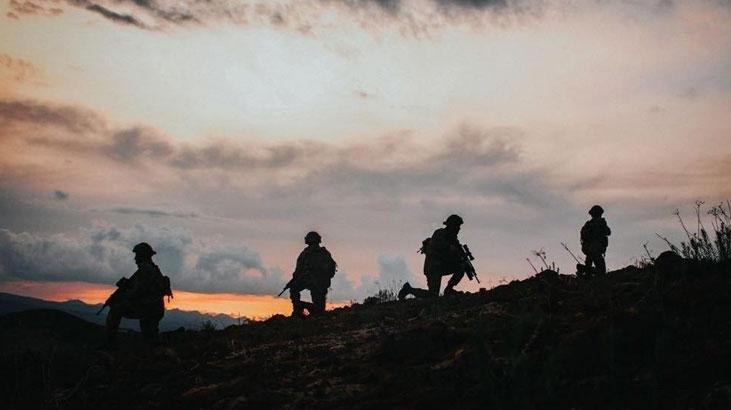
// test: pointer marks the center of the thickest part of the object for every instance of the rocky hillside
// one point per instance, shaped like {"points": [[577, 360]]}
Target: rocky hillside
{"points": [[658, 337]]}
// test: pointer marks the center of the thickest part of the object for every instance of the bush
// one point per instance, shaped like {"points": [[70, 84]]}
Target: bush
{"points": [[702, 246]]}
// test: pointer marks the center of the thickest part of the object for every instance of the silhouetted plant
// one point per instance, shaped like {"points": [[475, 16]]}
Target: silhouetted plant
{"points": [[541, 254], [383, 295], [645, 261], [387, 293], [700, 245]]}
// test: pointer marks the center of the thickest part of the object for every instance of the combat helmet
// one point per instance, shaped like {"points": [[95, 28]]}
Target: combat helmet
{"points": [[144, 249], [312, 237], [596, 211], [453, 220]]}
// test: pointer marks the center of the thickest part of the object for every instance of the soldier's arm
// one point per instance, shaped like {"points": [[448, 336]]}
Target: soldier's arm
{"points": [[300, 266], [438, 244], [607, 231]]}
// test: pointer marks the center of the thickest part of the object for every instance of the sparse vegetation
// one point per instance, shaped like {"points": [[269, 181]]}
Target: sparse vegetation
{"points": [[388, 293], [541, 255], [701, 245]]}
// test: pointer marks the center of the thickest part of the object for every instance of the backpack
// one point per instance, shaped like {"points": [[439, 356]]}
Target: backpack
{"points": [[165, 288], [425, 246], [164, 285], [592, 235], [329, 265]]}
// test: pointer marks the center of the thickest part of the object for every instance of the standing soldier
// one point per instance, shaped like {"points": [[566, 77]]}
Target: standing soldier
{"points": [[140, 296], [444, 256], [315, 268], [594, 241]]}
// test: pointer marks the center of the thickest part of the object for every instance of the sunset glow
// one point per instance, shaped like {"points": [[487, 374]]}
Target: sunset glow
{"points": [[221, 132], [244, 306]]}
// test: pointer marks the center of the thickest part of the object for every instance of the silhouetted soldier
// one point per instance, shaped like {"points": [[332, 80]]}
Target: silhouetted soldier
{"points": [[444, 256], [594, 241], [315, 268], [140, 296]]}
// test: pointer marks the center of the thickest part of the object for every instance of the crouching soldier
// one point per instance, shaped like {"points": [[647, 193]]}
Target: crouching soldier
{"points": [[594, 242], [444, 256], [315, 268], [140, 296]]}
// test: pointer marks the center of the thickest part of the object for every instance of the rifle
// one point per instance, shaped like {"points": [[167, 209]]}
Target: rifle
{"points": [[121, 287], [467, 259], [287, 286], [570, 253]]}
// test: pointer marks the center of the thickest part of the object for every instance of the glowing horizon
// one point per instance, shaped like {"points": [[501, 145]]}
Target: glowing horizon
{"points": [[253, 307], [224, 134]]}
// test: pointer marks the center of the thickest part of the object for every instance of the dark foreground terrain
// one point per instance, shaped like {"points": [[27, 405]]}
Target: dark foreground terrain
{"points": [[652, 338]]}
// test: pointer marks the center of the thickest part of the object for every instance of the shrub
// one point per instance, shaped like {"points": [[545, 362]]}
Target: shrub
{"points": [[700, 245]]}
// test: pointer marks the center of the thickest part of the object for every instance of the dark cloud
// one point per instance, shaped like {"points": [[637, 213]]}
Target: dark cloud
{"points": [[133, 143], [485, 163], [474, 4], [299, 15], [30, 113], [154, 213], [60, 195], [103, 253], [304, 16], [111, 15]]}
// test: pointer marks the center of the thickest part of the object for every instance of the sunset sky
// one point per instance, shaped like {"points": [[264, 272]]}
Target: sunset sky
{"points": [[222, 131]]}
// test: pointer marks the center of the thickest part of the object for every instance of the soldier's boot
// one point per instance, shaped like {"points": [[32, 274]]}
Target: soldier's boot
{"points": [[298, 310], [453, 281], [450, 291], [406, 290]]}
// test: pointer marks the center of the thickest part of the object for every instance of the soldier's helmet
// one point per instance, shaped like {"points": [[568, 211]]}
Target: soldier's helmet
{"points": [[453, 220], [312, 238], [144, 249], [596, 210]]}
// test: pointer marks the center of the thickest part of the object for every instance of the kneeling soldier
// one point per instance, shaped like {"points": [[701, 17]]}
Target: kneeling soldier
{"points": [[444, 256], [315, 268], [140, 296]]}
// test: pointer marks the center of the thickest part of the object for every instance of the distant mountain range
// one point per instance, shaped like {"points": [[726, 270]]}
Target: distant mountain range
{"points": [[174, 318]]}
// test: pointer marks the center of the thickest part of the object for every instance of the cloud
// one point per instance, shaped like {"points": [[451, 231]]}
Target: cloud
{"points": [[102, 254], [132, 143], [304, 16], [34, 8], [32, 114], [60, 195], [111, 15], [393, 272], [20, 70], [154, 213], [379, 196], [301, 15], [470, 163]]}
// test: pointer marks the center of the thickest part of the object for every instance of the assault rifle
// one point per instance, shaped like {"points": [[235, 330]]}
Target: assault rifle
{"points": [[287, 286], [121, 287], [469, 268]]}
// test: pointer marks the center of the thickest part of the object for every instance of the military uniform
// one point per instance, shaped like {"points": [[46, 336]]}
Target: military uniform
{"points": [[314, 271], [594, 240], [443, 257], [140, 297]]}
